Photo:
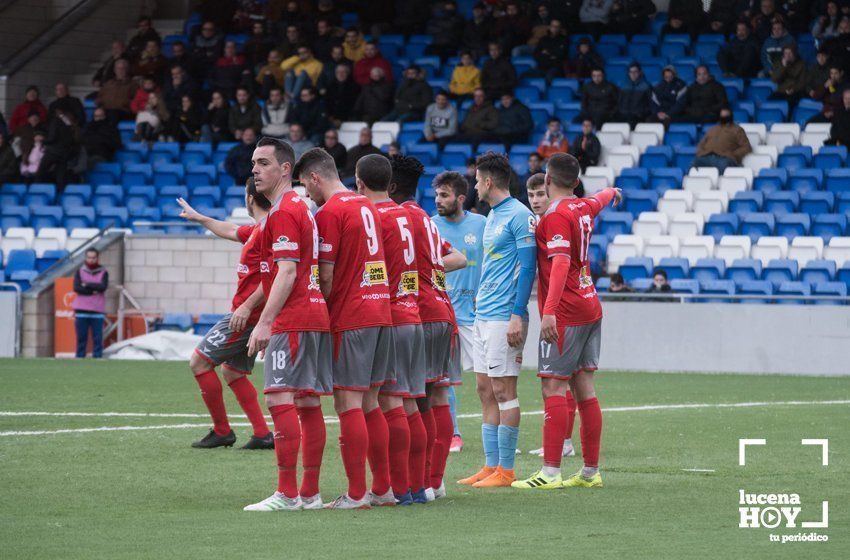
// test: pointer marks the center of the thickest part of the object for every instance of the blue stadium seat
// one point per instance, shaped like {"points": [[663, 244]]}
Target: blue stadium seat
{"points": [[426, 153], [41, 193], [556, 94], [14, 216], [793, 289], [770, 180], [527, 94], [175, 322], [803, 180], [657, 156], [679, 136], [829, 226], [708, 269], [172, 148], [76, 195], [640, 284], [685, 157], [168, 174], [463, 149], [18, 189], [46, 216], [637, 201], [743, 270], [49, 258], [23, 278], [106, 196], [756, 288], [125, 157], [140, 196], [780, 270], [193, 158], [830, 157], [665, 178], [111, 217], [684, 286], [455, 159], [105, 174], [769, 112], [719, 225], [783, 202], [137, 174], [20, 259], [205, 322], [206, 196], [636, 267], [838, 180], [838, 289], [818, 271], [817, 202], [234, 197], [706, 51], [203, 148], [746, 202], [614, 223], [842, 203], [146, 214], [717, 288], [632, 178], [79, 217], [795, 157], [793, 225], [602, 284], [200, 175], [676, 268]]}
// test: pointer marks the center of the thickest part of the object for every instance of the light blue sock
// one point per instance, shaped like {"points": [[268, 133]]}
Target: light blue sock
{"points": [[490, 440], [508, 436], [453, 409]]}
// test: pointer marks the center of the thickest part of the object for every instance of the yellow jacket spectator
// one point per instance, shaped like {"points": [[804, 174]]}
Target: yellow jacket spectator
{"points": [[354, 45], [304, 61], [465, 78]]}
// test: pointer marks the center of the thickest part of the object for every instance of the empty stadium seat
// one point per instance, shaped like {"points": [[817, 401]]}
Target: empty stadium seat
{"points": [[827, 226], [769, 247], [676, 202], [829, 290], [793, 225], [838, 250], [804, 249], [19, 259], [696, 248], [621, 248], [790, 288], [717, 288], [732, 247], [818, 270], [756, 288], [650, 224], [636, 267], [687, 224], [175, 322], [708, 269], [676, 268], [615, 223], [780, 270], [742, 270], [661, 247]]}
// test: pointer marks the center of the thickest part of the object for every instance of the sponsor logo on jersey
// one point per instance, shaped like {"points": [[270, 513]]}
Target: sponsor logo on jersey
{"points": [[284, 244], [532, 223], [314, 278], [242, 269], [264, 267], [409, 284], [558, 242], [374, 273], [325, 247], [499, 229], [585, 280], [470, 239], [438, 279]]}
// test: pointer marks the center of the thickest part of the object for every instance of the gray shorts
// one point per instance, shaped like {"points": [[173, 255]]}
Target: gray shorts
{"points": [[580, 346], [409, 362], [223, 346], [299, 362], [455, 365], [363, 358], [438, 344]]}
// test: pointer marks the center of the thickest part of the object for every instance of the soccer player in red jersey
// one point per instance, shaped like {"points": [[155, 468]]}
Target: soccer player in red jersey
{"points": [[355, 282], [570, 325], [373, 174], [438, 321], [226, 343], [293, 330]]}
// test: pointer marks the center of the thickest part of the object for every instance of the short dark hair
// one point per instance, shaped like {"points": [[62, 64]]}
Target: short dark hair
{"points": [[454, 180], [283, 152], [564, 170], [375, 171], [660, 271], [553, 119], [635, 64], [617, 278], [497, 167], [316, 160], [537, 155], [579, 190], [535, 181], [259, 198], [406, 173]]}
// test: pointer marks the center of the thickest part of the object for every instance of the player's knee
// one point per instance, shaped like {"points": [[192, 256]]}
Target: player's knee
{"points": [[503, 394], [230, 376], [198, 364]]}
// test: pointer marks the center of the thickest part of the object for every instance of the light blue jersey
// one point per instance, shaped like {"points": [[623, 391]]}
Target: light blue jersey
{"points": [[466, 236], [510, 227]]}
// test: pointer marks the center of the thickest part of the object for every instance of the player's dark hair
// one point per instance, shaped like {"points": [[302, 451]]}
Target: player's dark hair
{"points": [[316, 160], [497, 167], [259, 198], [283, 152], [564, 170], [375, 171], [579, 190], [453, 180], [406, 173], [535, 181]]}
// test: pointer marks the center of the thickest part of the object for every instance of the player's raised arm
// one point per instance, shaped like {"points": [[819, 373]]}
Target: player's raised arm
{"points": [[454, 260], [225, 230]]}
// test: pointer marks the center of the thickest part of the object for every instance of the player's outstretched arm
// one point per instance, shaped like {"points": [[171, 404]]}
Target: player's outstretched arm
{"points": [[278, 294], [225, 230], [239, 318], [454, 260]]}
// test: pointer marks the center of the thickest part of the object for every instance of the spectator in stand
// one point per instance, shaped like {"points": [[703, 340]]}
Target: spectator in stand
{"points": [[411, 98], [512, 29], [598, 99], [329, 68], [375, 99], [477, 31], [535, 166], [540, 25], [25, 134], [618, 286], [67, 103], [393, 149], [724, 145], [372, 58], [586, 147], [140, 100], [354, 46], [440, 120], [551, 51], [115, 95], [216, 126], [151, 63], [481, 120], [722, 16], [703, 99], [100, 138], [341, 95], [298, 140], [515, 122], [270, 75], [139, 41], [797, 15], [363, 148], [275, 113], [181, 57], [244, 114], [292, 39], [61, 144], [595, 14], [90, 284], [300, 71], [151, 119], [826, 25], [9, 168], [839, 47], [31, 158], [107, 71], [818, 72], [185, 123], [667, 97], [771, 50], [238, 162], [553, 140], [332, 146], [585, 61], [23, 110], [739, 57], [466, 77], [660, 285], [635, 97], [829, 93], [327, 11], [256, 48], [179, 85], [230, 70], [839, 134], [309, 112], [446, 30], [206, 48], [790, 77], [630, 16], [325, 40], [684, 16], [762, 22], [498, 75]]}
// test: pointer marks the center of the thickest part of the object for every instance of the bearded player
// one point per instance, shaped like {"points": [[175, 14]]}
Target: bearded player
{"points": [[570, 326]]}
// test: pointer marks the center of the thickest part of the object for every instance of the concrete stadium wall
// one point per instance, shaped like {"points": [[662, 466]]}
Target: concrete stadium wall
{"points": [[22, 21]]}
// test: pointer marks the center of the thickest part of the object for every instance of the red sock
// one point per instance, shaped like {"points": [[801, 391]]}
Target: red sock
{"points": [[430, 438], [399, 449], [211, 393], [379, 451], [591, 431], [443, 441], [313, 439], [571, 414], [418, 445], [246, 395], [354, 443], [287, 439], [554, 425]]}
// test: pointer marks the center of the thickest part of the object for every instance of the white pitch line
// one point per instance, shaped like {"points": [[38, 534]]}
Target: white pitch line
{"points": [[334, 420]]}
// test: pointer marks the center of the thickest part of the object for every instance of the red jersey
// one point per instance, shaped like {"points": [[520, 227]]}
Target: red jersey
{"points": [[565, 230], [290, 234], [360, 295], [434, 303], [248, 270], [400, 254]]}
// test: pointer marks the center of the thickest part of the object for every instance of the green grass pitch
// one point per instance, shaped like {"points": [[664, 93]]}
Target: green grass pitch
{"points": [[147, 494]]}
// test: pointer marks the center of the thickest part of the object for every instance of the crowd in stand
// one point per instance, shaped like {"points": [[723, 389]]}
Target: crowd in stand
{"points": [[300, 74]]}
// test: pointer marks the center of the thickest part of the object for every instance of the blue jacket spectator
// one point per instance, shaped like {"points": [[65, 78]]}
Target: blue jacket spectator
{"points": [[667, 96], [515, 123], [771, 50], [635, 96], [238, 163]]}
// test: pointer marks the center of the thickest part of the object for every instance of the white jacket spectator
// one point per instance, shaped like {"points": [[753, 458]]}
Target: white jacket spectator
{"points": [[274, 115]]}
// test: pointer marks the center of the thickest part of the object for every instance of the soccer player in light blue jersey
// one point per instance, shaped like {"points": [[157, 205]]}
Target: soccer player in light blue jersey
{"points": [[501, 318], [465, 231]]}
